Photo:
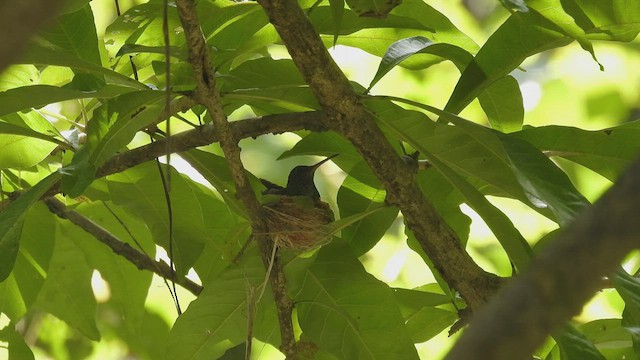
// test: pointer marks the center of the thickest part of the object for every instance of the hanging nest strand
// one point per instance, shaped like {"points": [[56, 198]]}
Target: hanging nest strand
{"points": [[298, 226]]}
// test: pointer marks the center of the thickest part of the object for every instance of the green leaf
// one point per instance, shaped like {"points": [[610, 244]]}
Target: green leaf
{"points": [[18, 75], [337, 8], [616, 20], [12, 219], [513, 5], [607, 151], [610, 337], [429, 322], [18, 348], [37, 96], [397, 52], [629, 289], [67, 292], [355, 196], [139, 190], [502, 101], [373, 8], [545, 184], [216, 320], [128, 285], [575, 346], [40, 54], [112, 127], [216, 171], [418, 131], [21, 152], [349, 313]]}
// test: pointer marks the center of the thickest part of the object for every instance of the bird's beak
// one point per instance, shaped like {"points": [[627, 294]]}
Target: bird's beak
{"points": [[324, 161]]}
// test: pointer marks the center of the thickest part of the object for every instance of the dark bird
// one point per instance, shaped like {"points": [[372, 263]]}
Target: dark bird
{"points": [[300, 182], [296, 217]]}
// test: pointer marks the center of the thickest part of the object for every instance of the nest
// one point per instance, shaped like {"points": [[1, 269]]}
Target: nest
{"points": [[296, 226]]}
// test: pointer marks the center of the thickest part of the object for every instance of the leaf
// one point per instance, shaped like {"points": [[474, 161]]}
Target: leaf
{"points": [[39, 54], [67, 292], [610, 337], [373, 8], [512, 5], [21, 152], [112, 127], [397, 52], [614, 20], [12, 219], [18, 348], [429, 322], [415, 130], [546, 185], [607, 151], [349, 313], [337, 8], [37, 96], [355, 197], [629, 289], [216, 171], [216, 320], [198, 217], [7, 128], [575, 346], [502, 101], [128, 285]]}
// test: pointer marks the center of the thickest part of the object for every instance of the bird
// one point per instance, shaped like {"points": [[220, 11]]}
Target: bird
{"points": [[299, 183], [295, 214]]}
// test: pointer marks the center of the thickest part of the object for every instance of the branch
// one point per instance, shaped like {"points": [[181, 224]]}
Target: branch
{"points": [[205, 135], [561, 279], [19, 20], [207, 95], [140, 260], [348, 117]]}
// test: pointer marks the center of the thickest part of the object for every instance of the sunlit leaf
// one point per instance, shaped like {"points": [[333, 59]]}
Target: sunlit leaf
{"points": [[349, 313], [12, 219]]}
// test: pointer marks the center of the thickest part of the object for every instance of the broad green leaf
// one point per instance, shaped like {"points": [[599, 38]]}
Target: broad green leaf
{"points": [[18, 75], [39, 54], [113, 126], [67, 292], [412, 300], [12, 219], [502, 101], [629, 289], [616, 20], [326, 144], [418, 131], [216, 171], [17, 347], [374, 35], [349, 313], [610, 337], [198, 216], [414, 245], [355, 196], [397, 52], [545, 184], [373, 8], [217, 319], [128, 285], [513, 5], [37, 96], [575, 346], [607, 151], [75, 33], [22, 152], [429, 322]]}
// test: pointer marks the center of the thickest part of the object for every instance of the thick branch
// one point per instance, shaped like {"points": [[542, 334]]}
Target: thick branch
{"points": [[140, 260], [207, 95], [19, 20], [347, 116], [561, 280]]}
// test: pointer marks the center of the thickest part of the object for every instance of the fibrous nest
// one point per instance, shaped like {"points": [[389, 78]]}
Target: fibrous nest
{"points": [[296, 226]]}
